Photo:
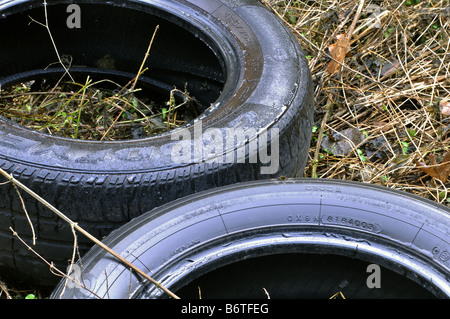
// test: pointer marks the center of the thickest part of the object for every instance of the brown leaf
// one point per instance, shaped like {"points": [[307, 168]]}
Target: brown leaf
{"points": [[338, 52], [390, 68], [445, 107], [383, 126], [438, 171]]}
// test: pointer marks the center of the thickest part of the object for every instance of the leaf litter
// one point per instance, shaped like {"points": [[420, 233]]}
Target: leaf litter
{"points": [[381, 90]]}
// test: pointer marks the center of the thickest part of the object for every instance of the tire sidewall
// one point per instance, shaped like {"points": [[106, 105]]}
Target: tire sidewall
{"points": [[180, 241], [271, 89], [102, 185]]}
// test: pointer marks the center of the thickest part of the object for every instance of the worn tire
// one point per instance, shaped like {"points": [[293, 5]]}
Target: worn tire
{"points": [[258, 81], [297, 239]]}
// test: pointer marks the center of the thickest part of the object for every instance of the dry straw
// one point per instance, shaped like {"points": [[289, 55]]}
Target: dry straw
{"points": [[392, 87]]}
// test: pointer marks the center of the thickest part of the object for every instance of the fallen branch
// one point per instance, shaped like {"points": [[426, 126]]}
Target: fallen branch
{"points": [[54, 270], [85, 233]]}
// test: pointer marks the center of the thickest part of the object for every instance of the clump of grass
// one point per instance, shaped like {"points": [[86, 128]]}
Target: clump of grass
{"points": [[391, 86], [100, 110]]}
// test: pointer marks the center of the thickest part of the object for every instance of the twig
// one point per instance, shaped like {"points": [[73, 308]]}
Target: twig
{"points": [[51, 38], [72, 261], [267, 293], [320, 137], [4, 288], [355, 20], [147, 54], [54, 270], [26, 214], [52, 267], [85, 233]]}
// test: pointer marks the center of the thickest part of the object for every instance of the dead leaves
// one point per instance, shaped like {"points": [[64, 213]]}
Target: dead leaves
{"points": [[341, 47], [445, 107], [338, 52], [438, 171]]}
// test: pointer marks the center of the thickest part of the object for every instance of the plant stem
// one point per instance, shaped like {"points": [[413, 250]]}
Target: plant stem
{"points": [[320, 137], [147, 54], [85, 233], [45, 25]]}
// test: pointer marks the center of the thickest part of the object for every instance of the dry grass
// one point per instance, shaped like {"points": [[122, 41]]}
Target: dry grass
{"points": [[100, 110], [384, 106]]}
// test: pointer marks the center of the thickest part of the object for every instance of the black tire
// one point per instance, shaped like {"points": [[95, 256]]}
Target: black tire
{"points": [[296, 238], [258, 80]]}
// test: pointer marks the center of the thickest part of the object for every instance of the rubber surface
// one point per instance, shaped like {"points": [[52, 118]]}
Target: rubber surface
{"points": [[255, 78], [297, 238]]}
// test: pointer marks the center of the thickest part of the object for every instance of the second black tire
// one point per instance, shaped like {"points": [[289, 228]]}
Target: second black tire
{"points": [[237, 59], [286, 239]]}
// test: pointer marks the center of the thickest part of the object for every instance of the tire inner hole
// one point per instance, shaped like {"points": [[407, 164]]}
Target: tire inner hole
{"points": [[183, 74], [300, 276]]}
